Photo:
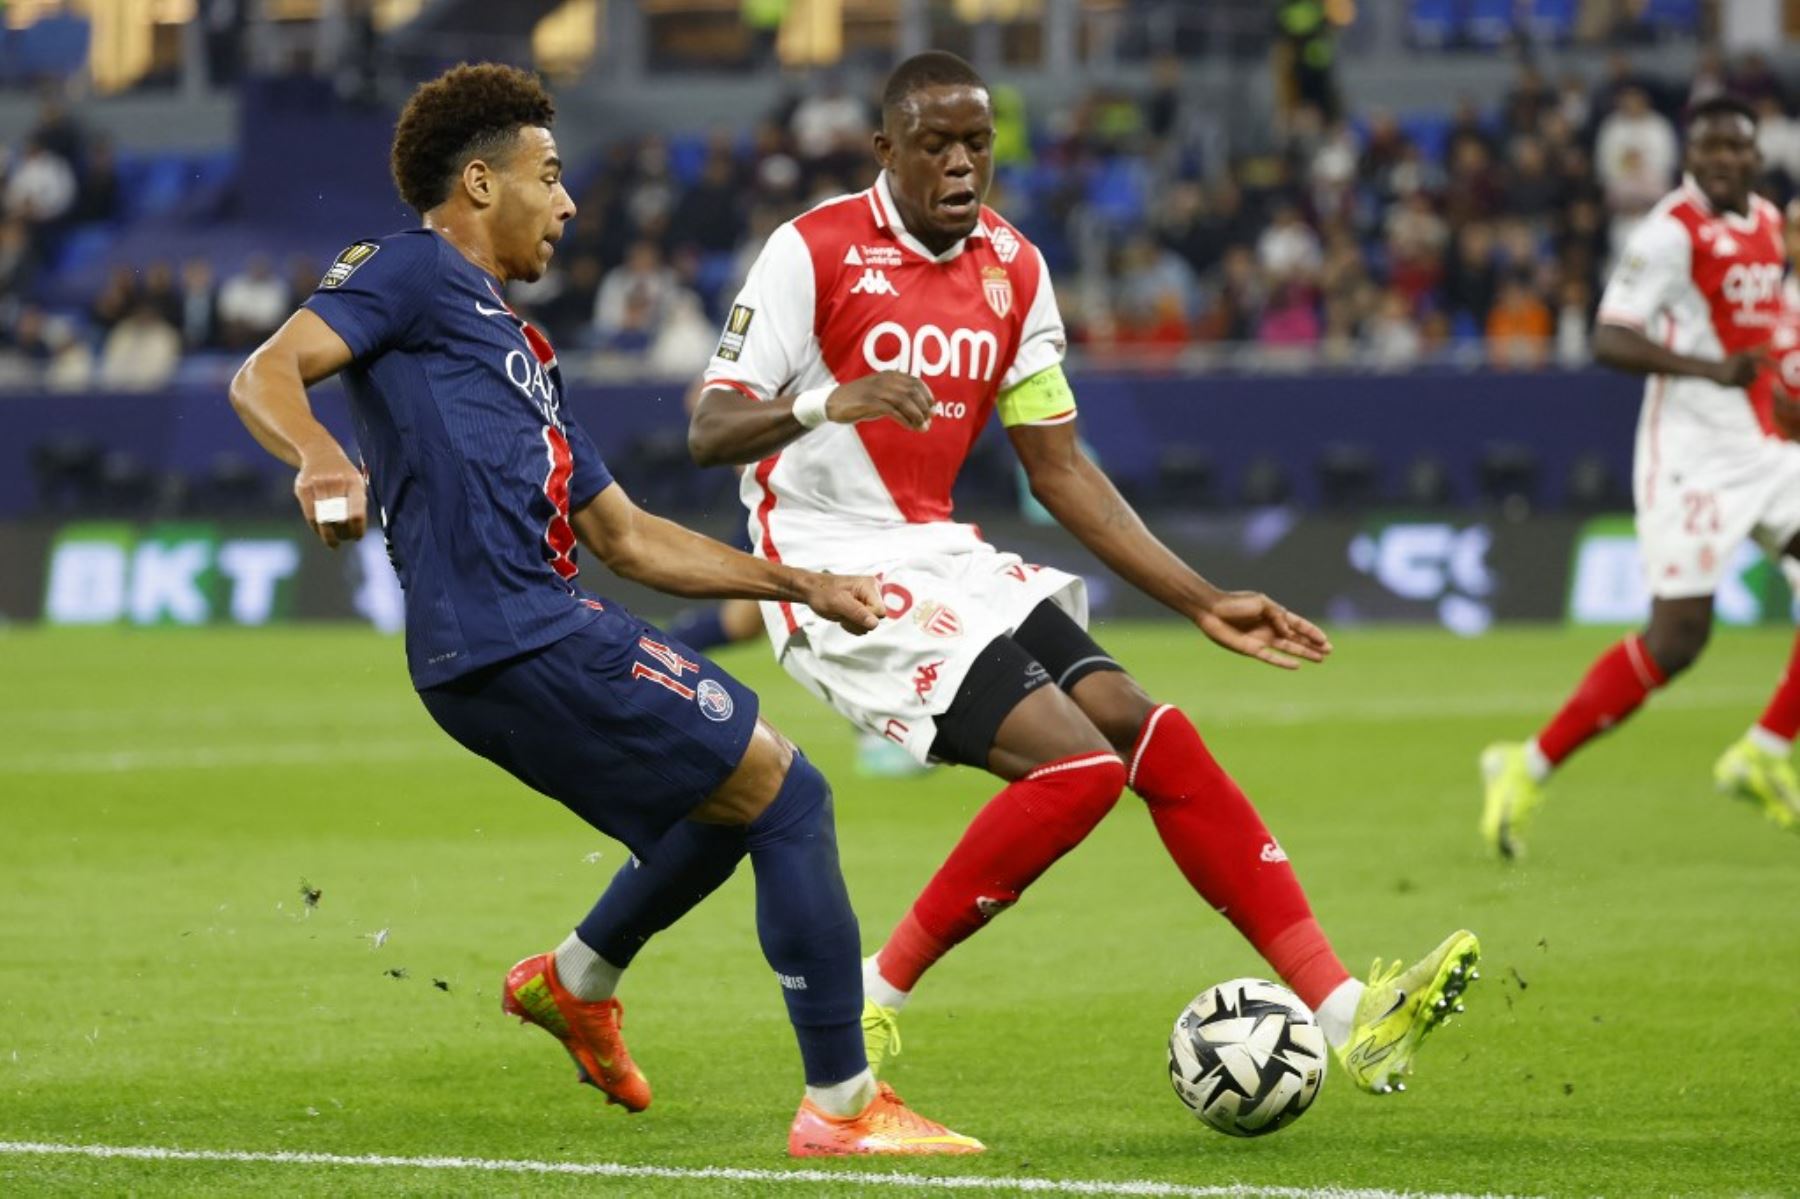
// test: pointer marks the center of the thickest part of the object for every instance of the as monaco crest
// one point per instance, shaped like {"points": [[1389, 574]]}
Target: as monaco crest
{"points": [[998, 290]]}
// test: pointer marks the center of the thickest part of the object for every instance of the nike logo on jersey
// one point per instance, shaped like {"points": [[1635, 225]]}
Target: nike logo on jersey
{"points": [[873, 283], [484, 310]]}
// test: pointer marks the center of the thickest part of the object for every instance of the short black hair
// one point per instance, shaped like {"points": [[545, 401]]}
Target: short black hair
{"points": [[470, 111], [933, 68], [1720, 106]]}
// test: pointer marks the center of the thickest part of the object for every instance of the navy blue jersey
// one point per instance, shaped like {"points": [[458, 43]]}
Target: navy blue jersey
{"points": [[474, 469]]}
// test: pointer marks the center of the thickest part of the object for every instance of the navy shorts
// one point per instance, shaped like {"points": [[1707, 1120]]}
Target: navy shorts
{"points": [[619, 722]]}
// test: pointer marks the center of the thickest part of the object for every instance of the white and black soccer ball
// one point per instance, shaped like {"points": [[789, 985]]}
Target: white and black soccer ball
{"points": [[1247, 1057]]}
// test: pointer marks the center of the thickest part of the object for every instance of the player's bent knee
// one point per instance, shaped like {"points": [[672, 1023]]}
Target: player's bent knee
{"points": [[749, 790]]}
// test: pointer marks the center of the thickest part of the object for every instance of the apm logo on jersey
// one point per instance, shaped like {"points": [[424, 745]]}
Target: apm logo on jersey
{"points": [[347, 264], [737, 326]]}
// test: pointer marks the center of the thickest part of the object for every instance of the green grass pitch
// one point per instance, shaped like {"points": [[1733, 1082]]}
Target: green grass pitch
{"points": [[163, 983]]}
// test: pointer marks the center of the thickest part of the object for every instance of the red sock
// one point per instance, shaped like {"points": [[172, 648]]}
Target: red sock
{"points": [[1614, 688], [1011, 841], [1227, 854], [1782, 716]]}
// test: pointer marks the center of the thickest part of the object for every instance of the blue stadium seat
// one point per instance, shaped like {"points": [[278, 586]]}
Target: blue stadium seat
{"points": [[1433, 23], [1682, 15], [1491, 22], [55, 47], [1430, 131], [82, 247], [1551, 20], [1116, 191], [687, 158]]}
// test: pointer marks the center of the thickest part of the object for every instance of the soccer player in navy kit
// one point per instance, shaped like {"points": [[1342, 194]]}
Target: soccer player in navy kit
{"points": [[485, 489]]}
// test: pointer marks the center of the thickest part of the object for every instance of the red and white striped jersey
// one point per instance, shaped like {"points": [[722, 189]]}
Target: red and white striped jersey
{"points": [[1706, 284], [844, 291]]}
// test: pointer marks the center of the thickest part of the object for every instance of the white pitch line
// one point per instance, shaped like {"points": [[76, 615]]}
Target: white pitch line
{"points": [[1053, 1186]]}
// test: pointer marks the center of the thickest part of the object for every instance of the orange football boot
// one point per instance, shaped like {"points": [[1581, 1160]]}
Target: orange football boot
{"points": [[589, 1031], [887, 1125]]}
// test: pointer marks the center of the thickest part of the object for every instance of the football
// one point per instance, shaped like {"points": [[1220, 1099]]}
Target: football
{"points": [[1246, 1057]]}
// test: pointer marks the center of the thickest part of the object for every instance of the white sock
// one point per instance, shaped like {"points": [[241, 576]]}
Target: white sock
{"points": [[585, 974], [880, 989], [1337, 1015], [844, 1098], [1536, 764], [1768, 742]]}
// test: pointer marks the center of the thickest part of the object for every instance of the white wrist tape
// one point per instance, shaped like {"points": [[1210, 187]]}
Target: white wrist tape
{"points": [[333, 511], [809, 406]]}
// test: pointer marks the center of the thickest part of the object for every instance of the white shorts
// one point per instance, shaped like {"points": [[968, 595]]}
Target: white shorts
{"points": [[1695, 509], [942, 612]]}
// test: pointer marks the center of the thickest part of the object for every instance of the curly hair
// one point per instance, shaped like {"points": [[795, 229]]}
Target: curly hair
{"points": [[470, 111]]}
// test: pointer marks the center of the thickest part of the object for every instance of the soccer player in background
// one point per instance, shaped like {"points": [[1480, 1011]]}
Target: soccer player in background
{"points": [[485, 488], [871, 341], [1692, 305]]}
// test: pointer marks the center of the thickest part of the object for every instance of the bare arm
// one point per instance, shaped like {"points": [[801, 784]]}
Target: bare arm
{"points": [[269, 395], [730, 427], [1085, 502], [1625, 349], [663, 555]]}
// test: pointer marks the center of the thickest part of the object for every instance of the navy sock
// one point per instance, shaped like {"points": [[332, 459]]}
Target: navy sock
{"points": [[690, 862], [806, 925], [701, 628]]}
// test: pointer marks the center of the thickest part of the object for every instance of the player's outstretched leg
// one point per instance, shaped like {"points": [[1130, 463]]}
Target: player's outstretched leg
{"points": [[591, 1031], [810, 939], [1400, 1008], [1514, 773], [569, 992], [1227, 854], [1758, 768]]}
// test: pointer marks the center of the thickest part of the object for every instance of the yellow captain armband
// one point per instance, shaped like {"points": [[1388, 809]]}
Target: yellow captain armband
{"points": [[1043, 399]]}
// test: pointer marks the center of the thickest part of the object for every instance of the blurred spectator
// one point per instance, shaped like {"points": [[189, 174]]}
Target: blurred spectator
{"points": [[114, 300], [634, 299], [830, 124], [18, 258], [1288, 248], [1754, 80], [98, 193], [1395, 341], [684, 339], [1155, 291], [41, 188], [1305, 57], [1518, 327], [569, 316], [1290, 321], [58, 132], [199, 321], [1574, 321], [1472, 192], [1162, 108], [1572, 103], [158, 292], [1529, 101], [1530, 190], [1636, 154], [1709, 77], [252, 304], [141, 353], [708, 217], [1470, 283], [1778, 137]]}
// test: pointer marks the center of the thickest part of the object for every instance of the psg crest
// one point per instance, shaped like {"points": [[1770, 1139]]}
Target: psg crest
{"points": [[998, 290]]}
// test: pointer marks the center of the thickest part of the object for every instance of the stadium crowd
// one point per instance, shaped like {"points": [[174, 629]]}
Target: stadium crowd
{"points": [[1358, 238]]}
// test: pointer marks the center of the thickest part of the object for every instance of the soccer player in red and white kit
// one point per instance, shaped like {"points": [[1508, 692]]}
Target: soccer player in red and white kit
{"points": [[874, 336], [1694, 304]]}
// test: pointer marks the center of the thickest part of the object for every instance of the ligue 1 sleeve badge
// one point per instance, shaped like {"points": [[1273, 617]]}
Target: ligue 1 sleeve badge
{"points": [[998, 290], [715, 702]]}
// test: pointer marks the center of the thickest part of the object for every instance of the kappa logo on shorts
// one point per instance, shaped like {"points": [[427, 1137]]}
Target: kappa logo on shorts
{"points": [[925, 679], [347, 264], [715, 702], [937, 619]]}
